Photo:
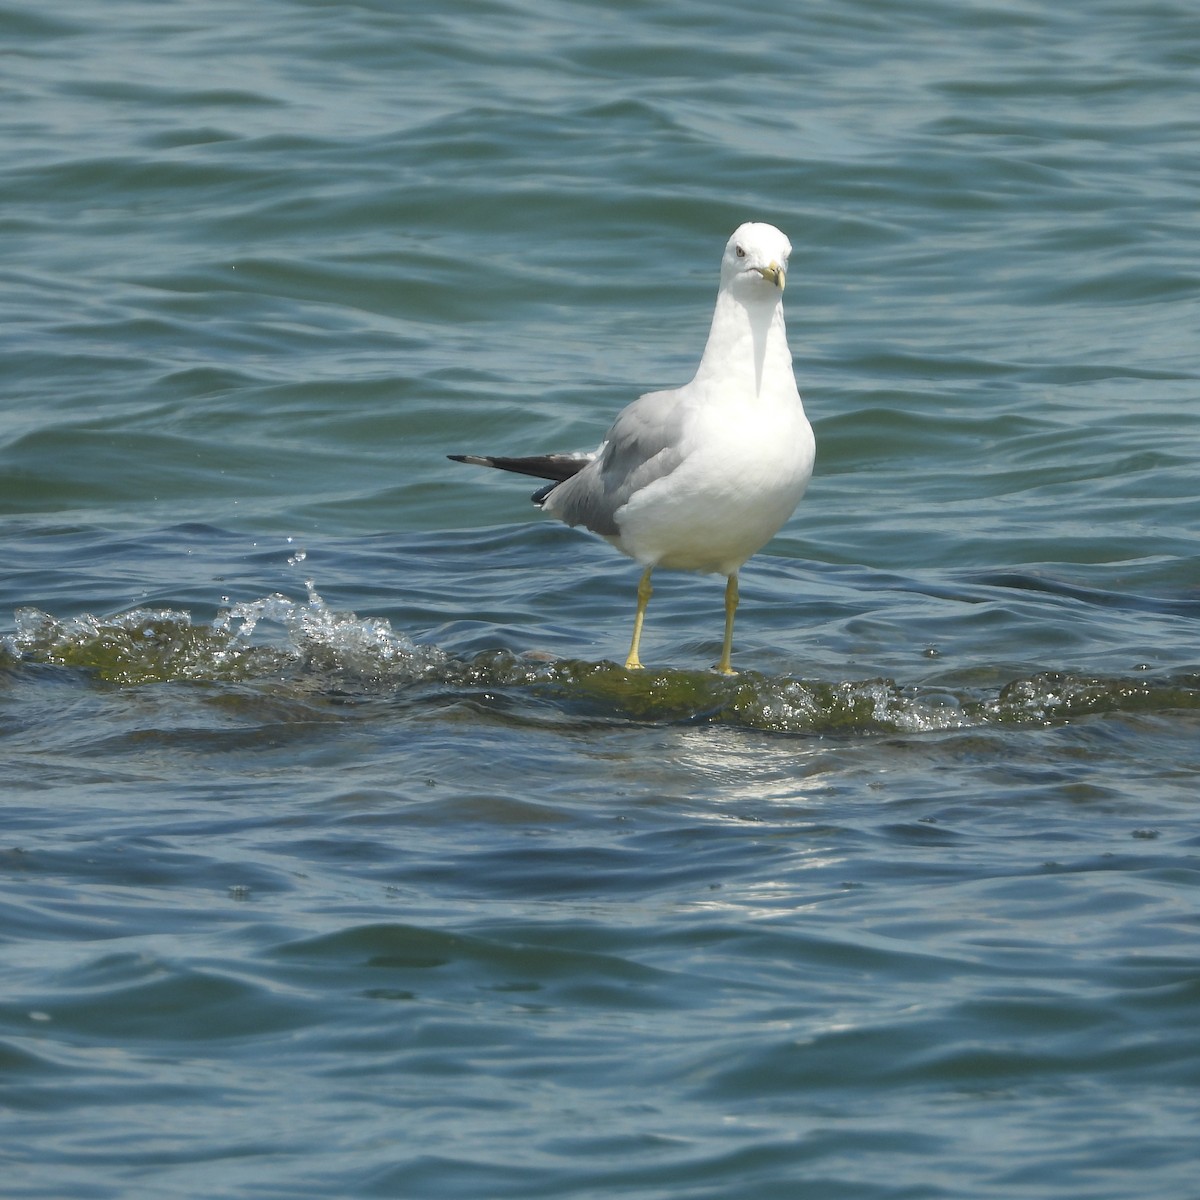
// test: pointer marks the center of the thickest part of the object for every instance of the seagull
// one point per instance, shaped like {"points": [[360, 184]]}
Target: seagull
{"points": [[701, 477]]}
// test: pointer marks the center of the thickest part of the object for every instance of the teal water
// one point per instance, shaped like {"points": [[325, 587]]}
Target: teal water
{"points": [[338, 858]]}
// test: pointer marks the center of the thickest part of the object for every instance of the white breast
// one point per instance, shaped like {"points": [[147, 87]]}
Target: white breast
{"points": [[744, 472]]}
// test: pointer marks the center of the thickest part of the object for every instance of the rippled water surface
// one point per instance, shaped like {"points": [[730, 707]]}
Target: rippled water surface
{"points": [[341, 859]]}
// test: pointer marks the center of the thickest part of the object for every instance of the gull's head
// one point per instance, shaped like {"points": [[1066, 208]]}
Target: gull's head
{"points": [[756, 260]]}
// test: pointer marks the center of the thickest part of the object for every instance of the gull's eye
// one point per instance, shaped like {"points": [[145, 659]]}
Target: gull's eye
{"points": [[740, 252]]}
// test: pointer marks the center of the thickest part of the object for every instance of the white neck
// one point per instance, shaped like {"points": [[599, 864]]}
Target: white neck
{"points": [[747, 343]]}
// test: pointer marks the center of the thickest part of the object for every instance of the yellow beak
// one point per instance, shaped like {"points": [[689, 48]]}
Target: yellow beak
{"points": [[774, 273]]}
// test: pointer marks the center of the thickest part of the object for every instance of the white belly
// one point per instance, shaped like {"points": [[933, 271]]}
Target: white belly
{"points": [[741, 480]]}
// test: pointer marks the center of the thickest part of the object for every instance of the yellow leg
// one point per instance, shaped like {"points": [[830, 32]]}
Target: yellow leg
{"points": [[731, 603], [633, 663]]}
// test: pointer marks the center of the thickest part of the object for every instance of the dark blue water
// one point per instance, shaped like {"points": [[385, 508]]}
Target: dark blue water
{"points": [[338, 858]]}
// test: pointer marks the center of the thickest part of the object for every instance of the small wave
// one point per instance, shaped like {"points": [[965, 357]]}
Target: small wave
{"points": [[314, 647], [272, 637]]}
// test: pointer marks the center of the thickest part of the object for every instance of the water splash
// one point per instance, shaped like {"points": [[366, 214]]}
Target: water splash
{"points": [[323, 640], [313, 647], [161, 645]]}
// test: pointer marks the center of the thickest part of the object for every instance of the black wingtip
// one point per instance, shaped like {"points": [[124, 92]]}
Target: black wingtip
{"points": [[539, 497]]}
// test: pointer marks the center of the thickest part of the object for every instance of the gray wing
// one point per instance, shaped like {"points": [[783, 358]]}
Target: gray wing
{"points": [[644, 444]]}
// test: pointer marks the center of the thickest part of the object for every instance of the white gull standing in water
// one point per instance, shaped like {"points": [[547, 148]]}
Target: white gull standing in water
{"points": [[701, 477]]}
